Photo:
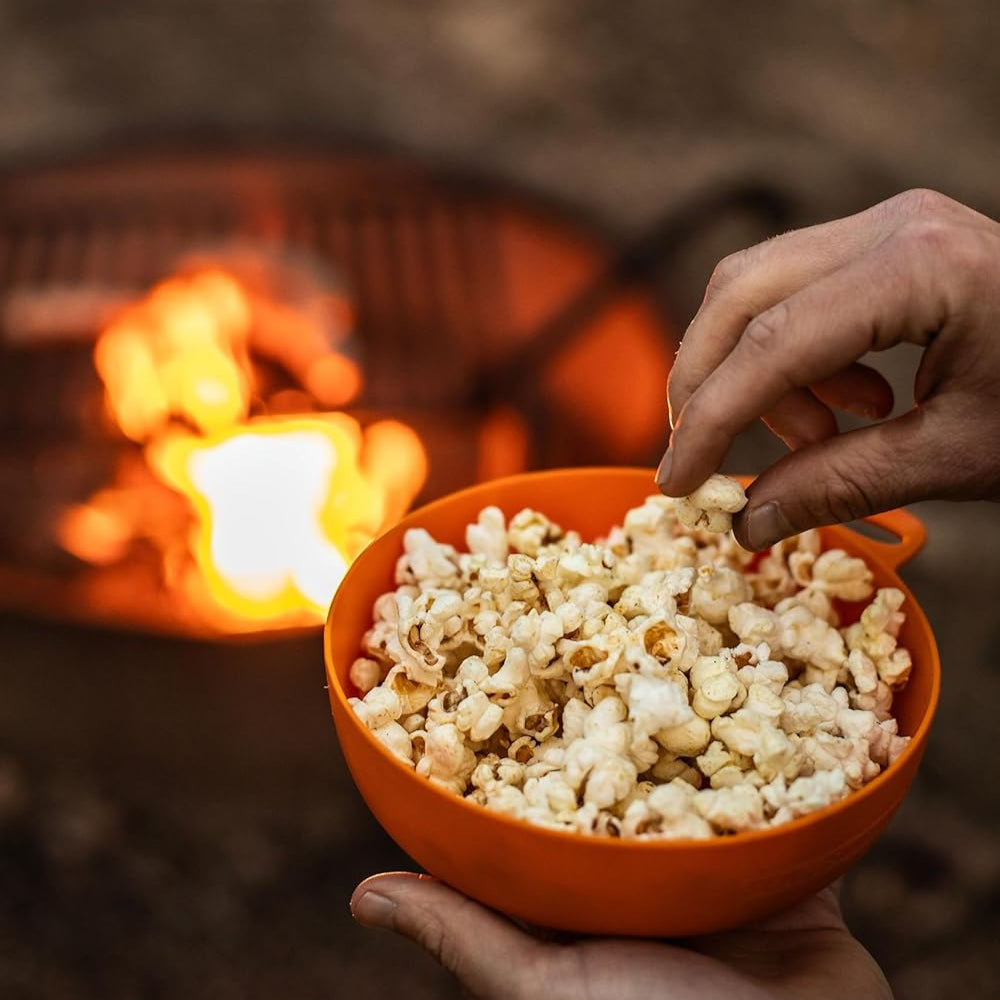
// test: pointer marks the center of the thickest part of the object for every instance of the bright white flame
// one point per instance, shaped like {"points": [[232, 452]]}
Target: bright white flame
{"points": [[267, 493]]}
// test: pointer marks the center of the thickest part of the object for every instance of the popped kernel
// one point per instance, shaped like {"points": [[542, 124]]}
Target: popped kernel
{"points": [[648, 685], [712, 505]]}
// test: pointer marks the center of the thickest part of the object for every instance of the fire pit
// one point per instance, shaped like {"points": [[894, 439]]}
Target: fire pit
{"points": [[220, 376]]}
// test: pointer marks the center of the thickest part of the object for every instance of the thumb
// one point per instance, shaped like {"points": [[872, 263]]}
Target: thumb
{"points": [[486, 952], [850, 476]]}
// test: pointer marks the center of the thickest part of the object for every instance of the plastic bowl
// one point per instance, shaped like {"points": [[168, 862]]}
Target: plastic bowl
{"points": [[590, 884]]}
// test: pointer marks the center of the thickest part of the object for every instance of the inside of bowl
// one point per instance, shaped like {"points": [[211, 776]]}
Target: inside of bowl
{"points": [[590, 502]]}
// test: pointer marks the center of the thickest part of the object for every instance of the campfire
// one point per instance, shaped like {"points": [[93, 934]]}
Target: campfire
{"points": [[253, 491], [221, 375]]}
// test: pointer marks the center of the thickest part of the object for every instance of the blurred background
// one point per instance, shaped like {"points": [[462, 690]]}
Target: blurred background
{"points": [[429, 243]]}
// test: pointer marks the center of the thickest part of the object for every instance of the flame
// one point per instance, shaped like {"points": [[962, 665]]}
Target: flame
{"points": [[277, 503], [181, 353], [280, 503]]}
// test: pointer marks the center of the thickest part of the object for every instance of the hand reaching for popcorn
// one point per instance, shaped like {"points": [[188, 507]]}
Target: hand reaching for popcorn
{"points": [[780, 334], [806, 953]]}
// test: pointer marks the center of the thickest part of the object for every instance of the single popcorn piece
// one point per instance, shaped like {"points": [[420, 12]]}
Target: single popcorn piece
{"points": [[754, 625], [365, 674], [378, 708], [812, 641], [687, 739], [488, 536], [426, 562], [715, 591], [654, 704], [833, 572], [715, 686], [397, 739], [658, 683], [530, 531], [730, 810], [712, 505]]}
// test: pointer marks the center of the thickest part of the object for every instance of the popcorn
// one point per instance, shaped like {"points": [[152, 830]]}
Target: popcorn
{"points": [[875, 636], [715, 685], [412, 695], [445, 757], [650, 685], [397, 739], [668, 767], [478, 716], [833, 572], [754, 625], [773, 579], [654, 704], [378, 708], [425, 562], [730, 810], [365, 674], [804, 795], [812, 641], [488, 536], [712, 505], [666, 812], [688, 739], [715, 591], [530, 531]]}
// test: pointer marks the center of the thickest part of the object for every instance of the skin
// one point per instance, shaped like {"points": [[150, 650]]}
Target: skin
{"points": [[804, 954], [780, 337]]}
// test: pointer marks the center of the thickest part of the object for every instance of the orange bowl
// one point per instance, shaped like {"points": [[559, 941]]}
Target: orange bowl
{"points": [[592, 884]]}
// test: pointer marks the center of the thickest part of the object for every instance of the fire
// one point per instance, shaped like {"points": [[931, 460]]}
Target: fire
{"points": [[181, 354], [278, 502]]}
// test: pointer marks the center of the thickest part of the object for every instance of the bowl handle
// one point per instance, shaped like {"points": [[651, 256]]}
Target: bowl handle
{"points": [[907, 527]]}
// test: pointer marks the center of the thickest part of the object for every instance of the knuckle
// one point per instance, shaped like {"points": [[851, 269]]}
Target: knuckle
{"points": [[764, 331], [975, 253], [929, 234], [922, 203], [725, 273], [969, 254]]}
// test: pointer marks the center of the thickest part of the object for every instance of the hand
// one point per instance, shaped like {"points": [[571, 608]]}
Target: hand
{"points": [[779, 336], [804, 954]]}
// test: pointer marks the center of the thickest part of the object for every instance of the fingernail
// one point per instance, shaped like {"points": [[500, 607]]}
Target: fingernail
{"points": [[663, 469], [374, 910], [766, 525]]}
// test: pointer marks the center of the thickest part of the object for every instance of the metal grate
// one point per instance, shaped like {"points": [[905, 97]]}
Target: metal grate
{"points": [[425, 275]]}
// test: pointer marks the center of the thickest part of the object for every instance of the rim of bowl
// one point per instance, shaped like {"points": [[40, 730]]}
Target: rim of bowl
{"points": [[721, 842]]}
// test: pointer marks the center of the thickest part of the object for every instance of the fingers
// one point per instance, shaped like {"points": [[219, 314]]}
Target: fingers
{"points": [[800, 419], [851, 476], [486, 952], [747, 283], [869, 304], [857, 389], [804, 415]]}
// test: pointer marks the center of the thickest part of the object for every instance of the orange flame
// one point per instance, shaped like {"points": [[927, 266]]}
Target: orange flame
{"points": [[280, 503]]}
